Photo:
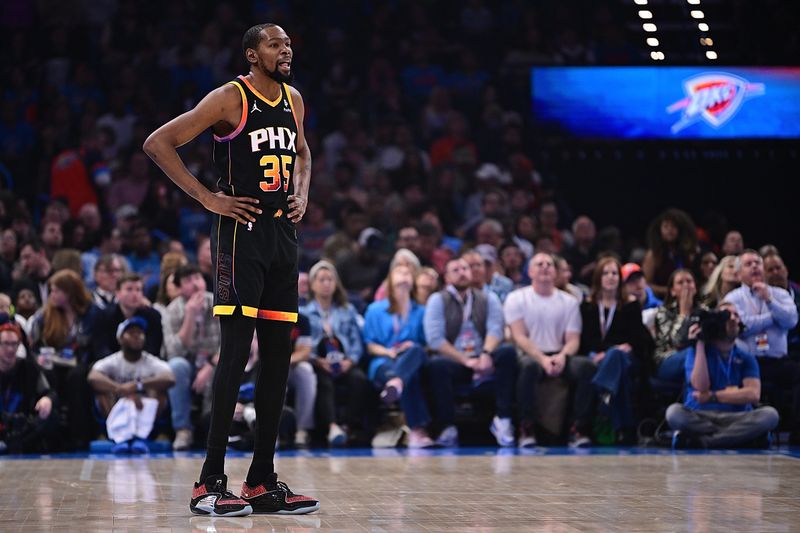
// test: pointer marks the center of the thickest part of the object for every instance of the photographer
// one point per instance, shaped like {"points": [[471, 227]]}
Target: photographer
{"points": [[722, 385]]}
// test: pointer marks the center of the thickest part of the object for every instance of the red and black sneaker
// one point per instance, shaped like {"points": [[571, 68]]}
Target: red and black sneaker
{"points": [[213, 498], [275, 497]]}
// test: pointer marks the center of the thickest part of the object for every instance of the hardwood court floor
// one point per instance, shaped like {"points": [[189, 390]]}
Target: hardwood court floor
{"points": [[471, 491]]}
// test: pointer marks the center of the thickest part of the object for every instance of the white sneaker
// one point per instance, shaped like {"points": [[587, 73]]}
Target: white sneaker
{"points": [[301, 438], [448, 438], [336, 436], [183, 440], [503, 431]]}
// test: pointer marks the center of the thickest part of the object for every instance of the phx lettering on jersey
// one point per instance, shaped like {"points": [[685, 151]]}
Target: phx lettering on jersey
{"points": [[282, 138]]}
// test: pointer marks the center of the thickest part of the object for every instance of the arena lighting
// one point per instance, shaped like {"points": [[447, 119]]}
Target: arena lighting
{"points": [[645, 14], [657, 56], [652, 41], [711, 54], [702, 26], [649, 27], [697, 14], [706, 41], [640, 2], [693, 2]]}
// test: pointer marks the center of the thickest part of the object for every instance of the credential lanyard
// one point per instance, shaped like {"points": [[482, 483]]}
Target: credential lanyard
{"points": [[605, 322]]}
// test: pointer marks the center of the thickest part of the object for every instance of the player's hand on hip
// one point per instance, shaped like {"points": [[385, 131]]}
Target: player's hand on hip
{"points": [[297, 208], [240, 208]]}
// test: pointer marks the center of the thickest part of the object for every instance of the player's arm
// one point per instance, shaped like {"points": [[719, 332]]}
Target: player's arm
{"points": [[302, 167], [162, 146]]}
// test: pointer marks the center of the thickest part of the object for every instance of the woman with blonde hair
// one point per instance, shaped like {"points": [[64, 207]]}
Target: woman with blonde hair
{"points": [[336, 350], [395, 339], [167, 290], [722, 280], [403, 256]]}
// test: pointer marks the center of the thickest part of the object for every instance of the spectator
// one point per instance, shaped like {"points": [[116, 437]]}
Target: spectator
{"points": [[723, 386], [129, 303], [614, 338], [672, 242], [191, 346], [29, 422], [142, 258], [722, 280], [52, 237], [464, 328], [131, 374], [564, 279], [68, 259], [337, 349], [481, 264], [511, 262], [34, 270], [635, 287], [167, 290], [360, 270], [401, 257], [204, 262], [672, 326], [548, 228], [108, 270], [546, 327], [67, 323], [582, 254], [393, 333], [425, 284], [778, 276], [708, 262], [110, 243], [25, 307], [733, 243], [768, 314], [315, 231]]}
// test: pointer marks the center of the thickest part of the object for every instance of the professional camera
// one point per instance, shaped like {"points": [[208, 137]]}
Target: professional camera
{"points": [[713, 324]]}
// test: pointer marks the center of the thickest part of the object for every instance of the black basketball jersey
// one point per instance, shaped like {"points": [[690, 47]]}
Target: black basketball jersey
{"points": [[257, 159]]}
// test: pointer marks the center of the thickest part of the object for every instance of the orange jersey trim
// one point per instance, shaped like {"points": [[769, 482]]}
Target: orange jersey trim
{"points": [[272, 103], [242, 120]]}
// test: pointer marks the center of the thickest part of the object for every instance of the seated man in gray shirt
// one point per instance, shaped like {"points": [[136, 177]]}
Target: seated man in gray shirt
{"points": [[768, 313], [464, 326]]}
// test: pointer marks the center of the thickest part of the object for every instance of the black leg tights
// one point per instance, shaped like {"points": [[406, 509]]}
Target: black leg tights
{"points": [[275, 350], [236, 336]]}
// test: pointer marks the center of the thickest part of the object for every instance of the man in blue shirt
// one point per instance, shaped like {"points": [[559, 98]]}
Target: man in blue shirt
{"points": [[723, 383], [768, 314], [464, 326]]}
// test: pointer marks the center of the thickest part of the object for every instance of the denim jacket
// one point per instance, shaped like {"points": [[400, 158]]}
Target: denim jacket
{"points": [[346, 324]]}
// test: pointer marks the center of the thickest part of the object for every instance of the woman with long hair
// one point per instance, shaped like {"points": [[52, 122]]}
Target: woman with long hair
{"points": [[395, 338], [672, 242], [336, 350], [672, 326], [614, 337], [403, 256], [722, 280], [67, 323]]}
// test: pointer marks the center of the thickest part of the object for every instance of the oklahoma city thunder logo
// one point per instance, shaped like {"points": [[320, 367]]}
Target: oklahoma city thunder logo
{"points": [[714, 97]]}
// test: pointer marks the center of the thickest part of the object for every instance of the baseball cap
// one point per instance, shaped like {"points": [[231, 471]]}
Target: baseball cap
{"points": [[631, 271], [129, 323]]}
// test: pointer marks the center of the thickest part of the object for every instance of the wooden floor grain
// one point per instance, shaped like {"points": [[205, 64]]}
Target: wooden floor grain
{"points": [[478, 493]]}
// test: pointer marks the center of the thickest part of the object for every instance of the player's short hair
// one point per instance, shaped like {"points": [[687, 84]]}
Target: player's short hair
{"points": [[253, 36]]}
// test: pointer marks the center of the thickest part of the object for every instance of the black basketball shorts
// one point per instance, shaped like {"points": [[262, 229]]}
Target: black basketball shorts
{"points": [[255, 267]]}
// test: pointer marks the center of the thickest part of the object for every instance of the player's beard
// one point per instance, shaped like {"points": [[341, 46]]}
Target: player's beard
{"points": [[277, 76]]}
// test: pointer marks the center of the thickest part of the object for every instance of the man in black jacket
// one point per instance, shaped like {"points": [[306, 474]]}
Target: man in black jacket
{"points": [[130, 302]]}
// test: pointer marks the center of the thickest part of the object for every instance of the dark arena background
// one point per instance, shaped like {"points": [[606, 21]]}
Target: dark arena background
{"points": [[662, 134]]}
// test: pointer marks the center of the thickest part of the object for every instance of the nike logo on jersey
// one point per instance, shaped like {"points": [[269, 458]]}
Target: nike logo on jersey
{"points": [[282, 138], [255, 108]]}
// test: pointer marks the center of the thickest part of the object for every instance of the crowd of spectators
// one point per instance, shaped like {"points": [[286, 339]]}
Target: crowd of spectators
{"points": [[438, 259]]}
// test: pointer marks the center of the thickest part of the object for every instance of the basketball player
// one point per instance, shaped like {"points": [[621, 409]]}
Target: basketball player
{"points": [[264, 170]]}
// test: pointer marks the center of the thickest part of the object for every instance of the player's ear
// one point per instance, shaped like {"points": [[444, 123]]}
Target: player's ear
{"points": [[251, 56]]}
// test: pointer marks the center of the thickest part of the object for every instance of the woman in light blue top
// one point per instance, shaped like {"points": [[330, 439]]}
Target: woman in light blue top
{"points": [[395, 338], [336, 349]]}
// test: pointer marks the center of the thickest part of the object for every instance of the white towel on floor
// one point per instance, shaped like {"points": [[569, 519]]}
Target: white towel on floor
{"points": [[125, 421]]}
